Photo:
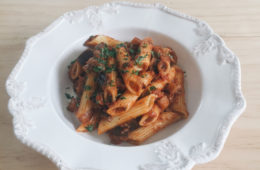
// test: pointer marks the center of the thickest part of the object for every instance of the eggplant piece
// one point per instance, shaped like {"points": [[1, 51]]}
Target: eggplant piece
{"points": [[85, 56]]}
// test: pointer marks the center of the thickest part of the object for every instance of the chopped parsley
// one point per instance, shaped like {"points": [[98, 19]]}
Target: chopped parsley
{"points": [[125, 58], [124, 71], [118, 94], [138, 50], [170, 56], [110, 69], [90, 128], [112, 53], [139, 59], [152, 53], [68, 96], [87, 87], [135, 72], [120, 45], [97, 69], [111, 83], [73, 61], [93, 97], [131, 51], [105, 52], [122, 97], [101, 61], [152, 88], [185, 74], [144, 45], [125, 65], [143, 75]]}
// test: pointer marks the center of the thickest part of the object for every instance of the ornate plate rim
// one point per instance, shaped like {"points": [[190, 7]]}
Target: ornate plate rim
{"points": [[197, 153]]}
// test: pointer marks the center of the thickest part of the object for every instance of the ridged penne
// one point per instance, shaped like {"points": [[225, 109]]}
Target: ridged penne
{"points": [[141, 107], [130, 90], [110, 90], [143, 133], [151, 116], [97, 39], [90, 125], [169, 52], [179, 103], [155, 86], [122, 57], [143, 58], [176, 84], [84, 112], [123, 104], [126, 101], [136, 84]]}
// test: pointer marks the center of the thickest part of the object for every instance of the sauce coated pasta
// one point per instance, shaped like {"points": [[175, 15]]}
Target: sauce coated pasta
{"points": [[130, 90]]}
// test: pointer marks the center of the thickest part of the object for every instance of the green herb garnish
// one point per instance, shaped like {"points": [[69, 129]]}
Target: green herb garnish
{"points": [[97, 69], [135, 72], [170, 56], [131, 51], [118, 94], [68, 96], [122, 97], [100, 60], [110, 69], [73, 61], [125, 58], [125, 65], [111, 83], [139, 59], [90, 128], [152, 88], [144, 45], [120, 45], [124, 71], [152, 53], [87, 87], [143, 75], [138, 50]]}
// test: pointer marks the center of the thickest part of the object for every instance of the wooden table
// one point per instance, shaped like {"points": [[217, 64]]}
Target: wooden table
{"points": [[236, 21]]}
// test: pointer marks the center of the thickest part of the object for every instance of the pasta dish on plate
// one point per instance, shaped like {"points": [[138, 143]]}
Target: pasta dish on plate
{"points": [[131, 90]]}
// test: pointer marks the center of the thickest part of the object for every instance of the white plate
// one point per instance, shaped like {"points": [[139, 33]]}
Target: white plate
{"points": [[37, 86]]}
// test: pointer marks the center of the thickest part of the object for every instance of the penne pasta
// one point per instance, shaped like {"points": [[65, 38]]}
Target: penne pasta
{"points": [[143, 133], [151, 116], [176, 84], [137, 84], [90, 125], [136, 41], [172, 55], [123, 57], [123, 104], [141, 107], [143, 58], [75, 70], [124, 88], [179, 104], [84, 111], [110, 90], [177, 89], [97, 39], [155, 86]]}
